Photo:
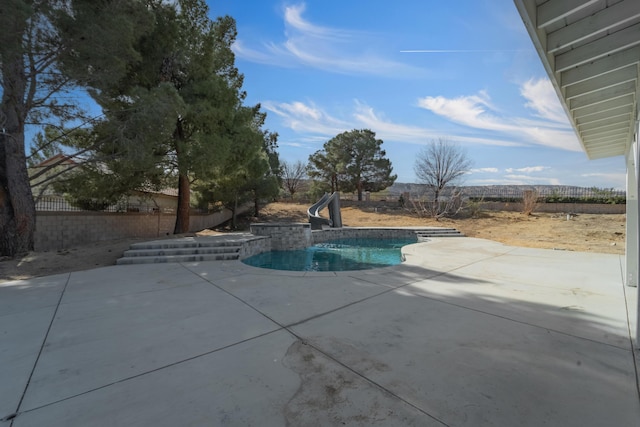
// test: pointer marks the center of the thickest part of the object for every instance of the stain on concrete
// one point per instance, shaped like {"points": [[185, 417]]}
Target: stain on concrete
{"points": [[331, 395]]}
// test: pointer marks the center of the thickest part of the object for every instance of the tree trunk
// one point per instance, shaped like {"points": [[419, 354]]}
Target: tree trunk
{"points": [[256, 205], [184, 202], [17, 208], [359, 191], [234, 225], [184, 186]]}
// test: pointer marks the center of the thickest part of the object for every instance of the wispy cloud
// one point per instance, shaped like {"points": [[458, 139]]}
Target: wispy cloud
{"points": [[294, 20], [327, 48], [485, 170], [542, 98], [366, 117], [616, 180], [512, 176], [516, 180], [607, 175], [477, 112], [461, 50], [528, 169], [306, 118], [309, 119]]}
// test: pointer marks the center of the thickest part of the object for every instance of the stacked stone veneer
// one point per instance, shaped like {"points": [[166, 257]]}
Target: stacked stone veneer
{"points": [[254, 246], [285, 236], [320, 236]]}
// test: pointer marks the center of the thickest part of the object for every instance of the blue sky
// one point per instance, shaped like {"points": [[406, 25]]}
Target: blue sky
{"points": [[411, 71]]}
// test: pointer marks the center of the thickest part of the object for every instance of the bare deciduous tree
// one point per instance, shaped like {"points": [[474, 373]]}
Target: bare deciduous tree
{"points": [[441, 166], [292, 176]]}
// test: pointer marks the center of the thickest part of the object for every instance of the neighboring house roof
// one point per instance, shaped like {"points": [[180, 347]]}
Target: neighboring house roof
{"points": [[57, 159], [64, 160], [173, 192]]}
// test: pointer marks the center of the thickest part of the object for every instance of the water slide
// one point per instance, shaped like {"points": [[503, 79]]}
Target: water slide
{"points": [[334, 220]]}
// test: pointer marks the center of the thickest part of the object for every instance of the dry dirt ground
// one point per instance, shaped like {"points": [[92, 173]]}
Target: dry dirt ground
{"points": [[583, 232]]}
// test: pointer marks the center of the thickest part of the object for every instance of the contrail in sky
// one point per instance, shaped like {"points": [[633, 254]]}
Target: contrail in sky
{"points": [[460, 50]]}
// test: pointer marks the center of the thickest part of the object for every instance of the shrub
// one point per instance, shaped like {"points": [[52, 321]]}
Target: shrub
{"points": [[529, 201]]}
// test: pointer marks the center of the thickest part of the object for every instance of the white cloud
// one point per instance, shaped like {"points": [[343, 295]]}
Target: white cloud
{"points": [[606, 175], [306, 118], [291, 144], [542, 98], [294, 20], [485, 170], [365, 116], [472, 111], [515, 180], [310, 119], [327, 48], [528, 169], [616, 180], [530, 180], [255, 55], [477, 112]]}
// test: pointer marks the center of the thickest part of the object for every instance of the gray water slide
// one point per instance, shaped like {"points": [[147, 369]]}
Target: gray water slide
{"points": [[334, 220]]}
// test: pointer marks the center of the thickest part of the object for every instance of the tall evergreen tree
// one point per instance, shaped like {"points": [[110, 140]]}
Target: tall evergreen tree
{"points": [[48, 48], [250, 172], [174, 117]]}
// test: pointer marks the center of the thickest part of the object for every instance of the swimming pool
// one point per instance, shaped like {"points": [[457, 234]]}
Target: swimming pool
{"points": [[335, 255]]}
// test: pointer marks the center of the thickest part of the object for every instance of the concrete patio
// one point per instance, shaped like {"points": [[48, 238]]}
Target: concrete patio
{"points": [[466, 332]]}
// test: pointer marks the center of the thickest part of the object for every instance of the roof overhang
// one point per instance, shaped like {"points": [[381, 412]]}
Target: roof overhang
{"points": [[591, 52]]}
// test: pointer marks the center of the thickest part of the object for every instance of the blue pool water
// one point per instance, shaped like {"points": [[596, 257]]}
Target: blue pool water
{"points": [[336, 255]]}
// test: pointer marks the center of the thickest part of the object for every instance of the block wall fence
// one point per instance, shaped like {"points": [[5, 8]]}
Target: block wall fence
{"points": [[583, 208], [61, 230]]}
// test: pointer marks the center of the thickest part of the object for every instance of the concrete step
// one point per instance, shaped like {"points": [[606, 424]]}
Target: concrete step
{"points": [[177, 258], [189, 249], [182, 243]]}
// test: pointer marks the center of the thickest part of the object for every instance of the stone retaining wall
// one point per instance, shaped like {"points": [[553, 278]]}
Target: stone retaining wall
{"points": [[254, 246], [285, 236], [320, 236]]}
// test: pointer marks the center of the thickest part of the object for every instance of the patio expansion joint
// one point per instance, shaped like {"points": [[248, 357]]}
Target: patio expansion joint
{"points": [[368, 380], [288, 327], [11, 417], [140, 292], [329, 356], [141, 374]]}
